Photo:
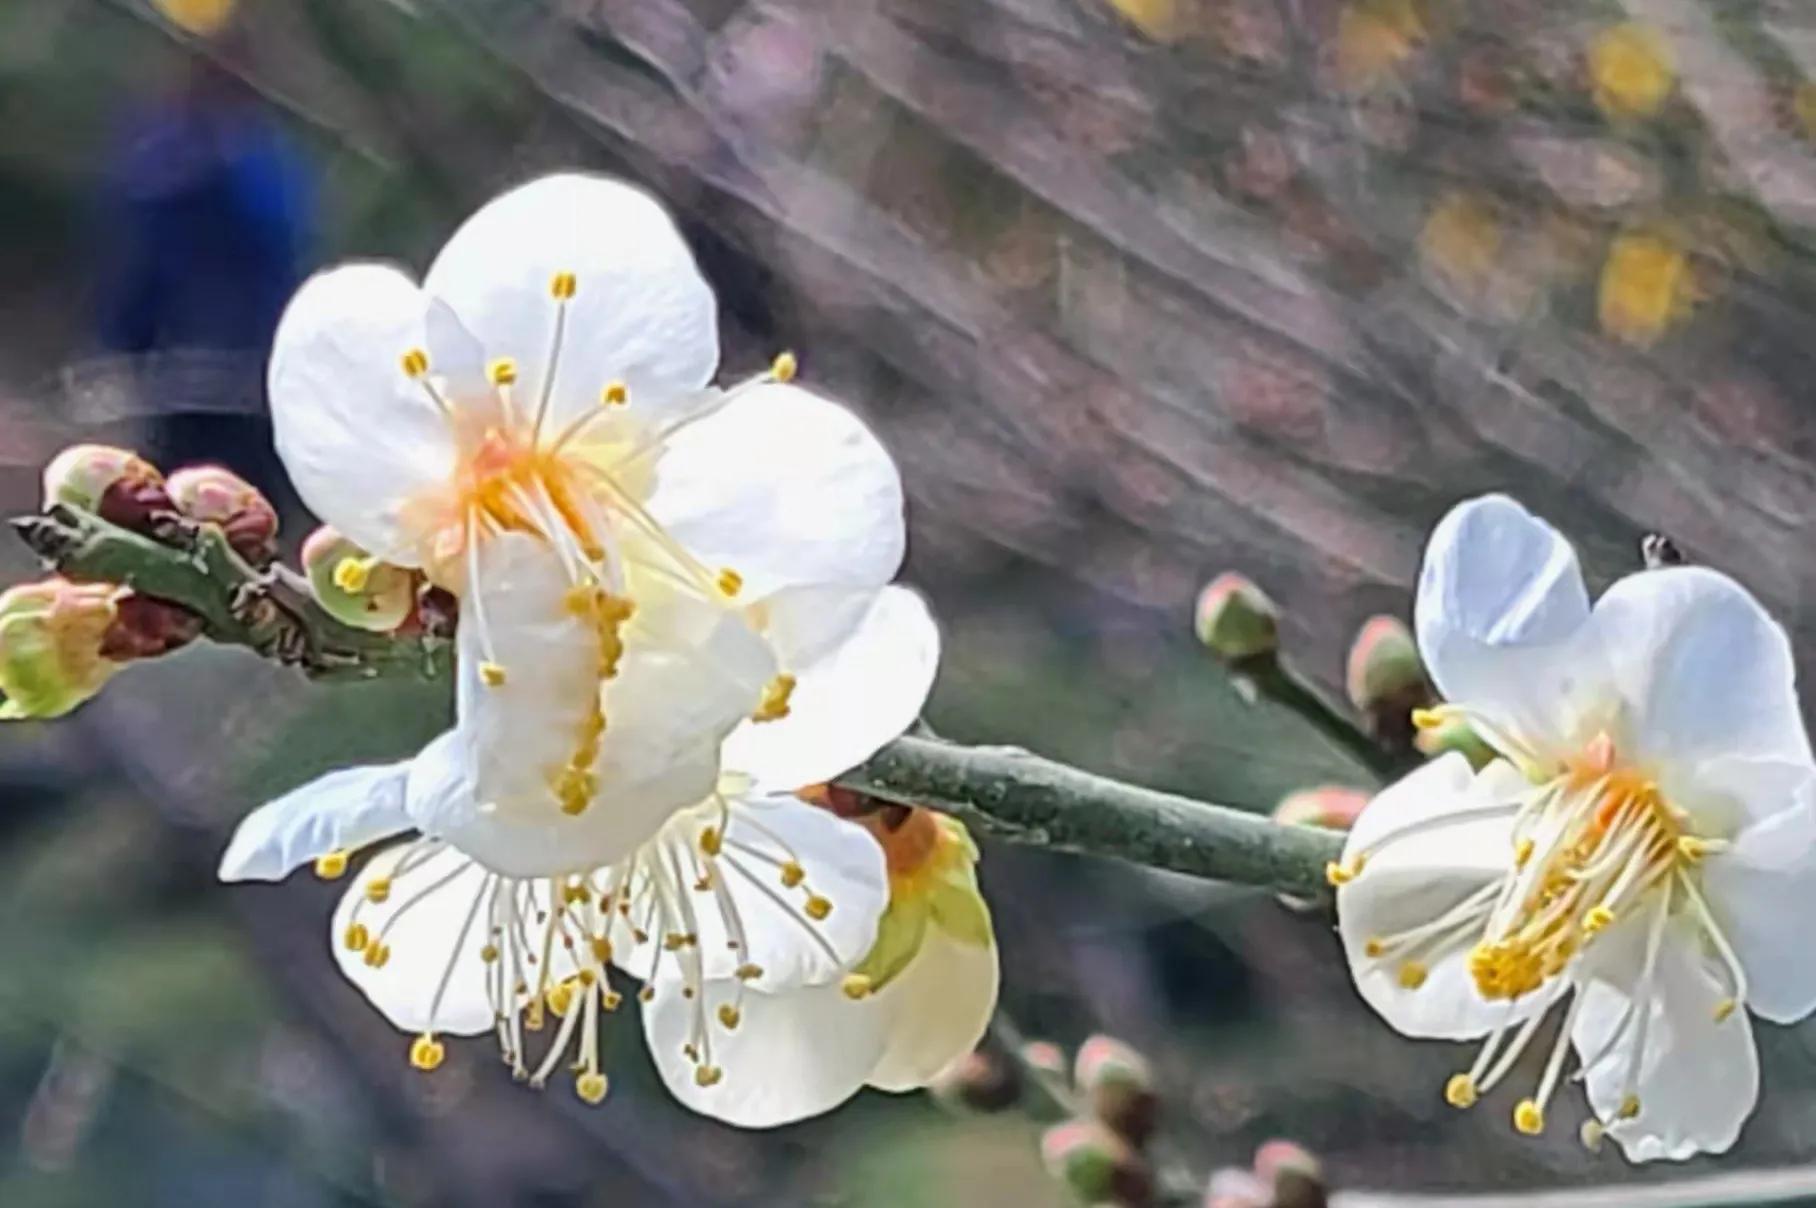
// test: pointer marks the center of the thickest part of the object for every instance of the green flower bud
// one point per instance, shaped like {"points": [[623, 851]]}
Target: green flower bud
{"points": [[1095, 1165], [117, 485], [1235, 619], [51, 638], [1386, 680], [216, 495], [355, 588], [1119, 1086]]}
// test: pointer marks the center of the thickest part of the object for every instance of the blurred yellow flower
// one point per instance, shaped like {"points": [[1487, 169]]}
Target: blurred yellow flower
{"points": [[1646, 286], [1803, 105], [1460, 242], [1632, 72], [199, 17], [1157, 19], [1374, 37]]}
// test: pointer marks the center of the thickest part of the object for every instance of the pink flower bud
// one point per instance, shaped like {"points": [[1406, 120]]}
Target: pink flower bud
{"points": [[1119, 1085], [355, 588], [1231, 1188], [1386, 680], [1095, 1164], [1294, 1174], [216, 495], [117, 485], [1331, 806], [977, 1082], [1044, 1056], [1235, 619]]}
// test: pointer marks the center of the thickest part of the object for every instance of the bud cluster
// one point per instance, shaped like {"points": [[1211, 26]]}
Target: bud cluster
{"points": [[1282, 1175], [1100, 1155]]}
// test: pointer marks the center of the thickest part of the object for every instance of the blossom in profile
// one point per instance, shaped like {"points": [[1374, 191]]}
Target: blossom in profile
{"points": [[741, 921], [1638, 860], [643, 561]]}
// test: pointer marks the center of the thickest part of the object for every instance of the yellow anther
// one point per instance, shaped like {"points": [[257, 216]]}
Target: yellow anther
{"points": [[1629, 1108], [1427, 719], [1692, 848], [356, 937], [377, 954], [491, 674], [774, 704], [610, 1000], [748, 972], [792, 874], [817, 907], [586, 977], [352, 574], [1460, 1091], [426, 1052], [575, 892], [856, 986], [615, 394], [729, 1015], [378, 889], [711, 841], [1522, 852], [784, 367], [591, 1087], [560, 997], [332, 866], [647, 994], [563, 285], [415, 363], [1591, 1135], [1723, 1009], [1339, 872], [502, 372], [602, 948], [707, 1075], [1374, 947], [1598, 919], [1529, 1117], [674, 941], [730, 582], [489, 953], [1412, 975]]}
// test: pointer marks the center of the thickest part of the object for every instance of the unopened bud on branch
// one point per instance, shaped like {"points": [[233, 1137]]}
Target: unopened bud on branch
{"points": [[977, 1082], [51, 635], [1096, 1165], [1294, 1174], [117, 485], [1330, 806], [1386, 680], [353, 587], [1119, 1087], [216, 495], [1235, 620]]}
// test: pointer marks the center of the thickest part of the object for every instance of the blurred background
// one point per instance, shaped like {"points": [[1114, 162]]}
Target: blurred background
{"points": [[1136, 290]]}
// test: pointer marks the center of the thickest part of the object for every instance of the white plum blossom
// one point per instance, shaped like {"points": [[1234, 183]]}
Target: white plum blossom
{"points": [[1639, 861], [642, 560], [744, 912], [923, 993]]}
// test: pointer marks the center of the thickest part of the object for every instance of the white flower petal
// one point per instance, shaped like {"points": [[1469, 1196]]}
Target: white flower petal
{"points": [[442, 804], [425, 923], [1698, 1079], [1500, 600], [939, 1008], [524, 729], [843, 864], [785, 488], [641, 313], [792, 1056], [1451, 838], [1702, 668], [341, 811], [356, 434], [863, 663], [1762, 891]]}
